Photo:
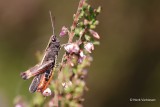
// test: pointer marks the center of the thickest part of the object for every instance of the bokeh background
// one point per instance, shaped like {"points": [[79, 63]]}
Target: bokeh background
{"points": [[126, 64]]}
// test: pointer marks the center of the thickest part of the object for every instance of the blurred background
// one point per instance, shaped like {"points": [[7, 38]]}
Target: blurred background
{"points": [[126, 64]]}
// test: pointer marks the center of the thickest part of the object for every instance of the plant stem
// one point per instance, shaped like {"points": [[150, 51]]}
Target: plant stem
{"points": [[75, 21]]}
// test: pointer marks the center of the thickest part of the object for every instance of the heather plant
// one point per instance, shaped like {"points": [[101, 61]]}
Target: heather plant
{"points": [[68, 84]]}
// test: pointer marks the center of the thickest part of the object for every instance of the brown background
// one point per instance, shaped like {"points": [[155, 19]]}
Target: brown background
{"points": [[126, 64]]}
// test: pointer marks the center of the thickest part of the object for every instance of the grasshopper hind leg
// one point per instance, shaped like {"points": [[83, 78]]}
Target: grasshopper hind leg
{"points": [[34, 84]]}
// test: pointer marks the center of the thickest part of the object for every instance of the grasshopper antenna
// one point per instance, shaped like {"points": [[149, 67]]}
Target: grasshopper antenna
{"points": [[53, 35], [52, 22]]}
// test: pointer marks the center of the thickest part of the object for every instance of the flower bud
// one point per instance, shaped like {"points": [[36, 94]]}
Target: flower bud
{"points": [[94, 34], [63, 32], [47, 92]]}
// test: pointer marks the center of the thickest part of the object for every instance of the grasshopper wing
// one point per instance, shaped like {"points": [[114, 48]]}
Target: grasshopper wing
{"points": [[37, 69]]}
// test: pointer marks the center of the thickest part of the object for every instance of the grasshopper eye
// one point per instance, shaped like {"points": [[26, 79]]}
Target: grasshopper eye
{"points": [[53, 38]]}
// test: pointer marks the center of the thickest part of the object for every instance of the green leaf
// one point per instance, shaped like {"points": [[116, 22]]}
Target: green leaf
{"points": [[74, 70], [87, 37], [99, 9], [92, 26], [77, 31], [96, 43]]}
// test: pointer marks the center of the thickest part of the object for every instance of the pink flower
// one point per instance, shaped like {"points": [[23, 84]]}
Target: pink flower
{"points": [[82, 57], [67, 84], [63, 32], [81, 54], [72, 48], [89, 47], [47, 92], [19, 105], [86, 22], [94, 34]]}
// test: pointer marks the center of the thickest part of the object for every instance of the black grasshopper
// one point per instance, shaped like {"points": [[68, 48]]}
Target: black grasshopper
{"points": [[42, 72]]}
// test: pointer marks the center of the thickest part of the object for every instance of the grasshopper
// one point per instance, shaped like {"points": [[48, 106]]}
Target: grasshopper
{"points": [[42, 72]]}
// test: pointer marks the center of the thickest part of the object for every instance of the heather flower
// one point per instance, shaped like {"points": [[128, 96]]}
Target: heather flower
{"points": [[67, 84], [19, 102], [19, 105], [86, 22], [89, 47], [63, 32], [72, 48], [82, 57]]}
